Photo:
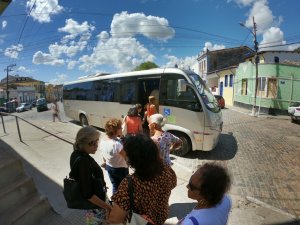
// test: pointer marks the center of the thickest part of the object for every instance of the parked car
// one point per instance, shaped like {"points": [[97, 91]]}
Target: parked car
{"points": [[33, 103], [41, 105], [23, 107], [294, 111], [3, 109], [221, 101]]}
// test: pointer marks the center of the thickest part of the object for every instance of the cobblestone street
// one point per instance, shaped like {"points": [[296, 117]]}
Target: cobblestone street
{"points": [[262, 155]]}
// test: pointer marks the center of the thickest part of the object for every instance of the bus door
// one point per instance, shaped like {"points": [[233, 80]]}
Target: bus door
{"points": [[182, 108], [148, 87]]}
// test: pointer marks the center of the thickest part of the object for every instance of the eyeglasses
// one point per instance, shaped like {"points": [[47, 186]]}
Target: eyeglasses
{"points": [[192, 187], [93, 143]]}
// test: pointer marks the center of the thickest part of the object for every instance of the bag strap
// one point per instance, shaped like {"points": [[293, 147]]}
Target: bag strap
{"points": [[93, 176], [194, 221], [72, 166], [131, 200]]}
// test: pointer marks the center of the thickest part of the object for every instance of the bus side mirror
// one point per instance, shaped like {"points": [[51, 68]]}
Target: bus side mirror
{"points": [[181, 85]]}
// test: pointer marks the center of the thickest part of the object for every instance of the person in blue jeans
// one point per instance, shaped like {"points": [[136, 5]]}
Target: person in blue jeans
{"points": [[113, 153]]}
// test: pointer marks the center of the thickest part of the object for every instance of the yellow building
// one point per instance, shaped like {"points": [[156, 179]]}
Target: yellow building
{"points": [[222, 83]]}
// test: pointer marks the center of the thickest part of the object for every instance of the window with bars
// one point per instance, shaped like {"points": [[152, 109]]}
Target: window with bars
{"points": [[231, 80], [244, 86], [226, 81]]}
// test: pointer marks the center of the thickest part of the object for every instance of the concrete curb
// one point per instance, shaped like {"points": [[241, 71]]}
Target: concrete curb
{"points": [[265, 205]]}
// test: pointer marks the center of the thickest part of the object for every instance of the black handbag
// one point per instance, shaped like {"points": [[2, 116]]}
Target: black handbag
{"points": [[73, 195]]}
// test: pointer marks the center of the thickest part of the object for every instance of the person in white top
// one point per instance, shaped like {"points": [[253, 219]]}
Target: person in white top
{"points": [[113, 153], [55, 111], [208, 185]]}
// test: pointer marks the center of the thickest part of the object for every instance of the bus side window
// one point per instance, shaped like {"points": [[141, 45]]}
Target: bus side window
{"points": [[171, 96], [128, 92]]}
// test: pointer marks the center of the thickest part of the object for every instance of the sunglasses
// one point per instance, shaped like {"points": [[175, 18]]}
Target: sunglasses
{"points": [[93, 143], [192, 187]]}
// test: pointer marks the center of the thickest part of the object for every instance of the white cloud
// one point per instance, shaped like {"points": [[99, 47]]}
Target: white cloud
{"points": [[13, 51], [60, 79], [4, 24], [183, 63], [71, 64], [209, 46], [273, 36], [43, 9], [75, 29], [47, 59], [242, 3], [263, 16], [122, 53], [75, 41], [130, 25], [24, 69], [119, 47]]}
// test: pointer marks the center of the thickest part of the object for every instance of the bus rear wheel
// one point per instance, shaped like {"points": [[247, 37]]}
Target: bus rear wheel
{"points": [[186, 144], [83, 120]]}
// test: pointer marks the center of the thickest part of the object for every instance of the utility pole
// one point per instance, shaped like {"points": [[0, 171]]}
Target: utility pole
{"points": [[8, 69], [254, 109], [256, 58]]}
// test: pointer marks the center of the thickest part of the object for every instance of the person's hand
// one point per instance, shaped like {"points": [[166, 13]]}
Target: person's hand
{"points": [[108, 210], [103, 165]]}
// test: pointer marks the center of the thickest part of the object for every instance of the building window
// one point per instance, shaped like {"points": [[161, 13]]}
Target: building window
{"points": [[261, 87], [244, 86], [230, 80], [272, 88], [226, 80], [276, 59]]}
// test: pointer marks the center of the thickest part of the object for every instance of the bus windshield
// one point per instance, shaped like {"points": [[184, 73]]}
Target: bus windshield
{"points": [[207, 97]]}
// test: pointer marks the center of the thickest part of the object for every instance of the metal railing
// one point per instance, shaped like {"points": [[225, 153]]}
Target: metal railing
{"points": [[18, 127]]}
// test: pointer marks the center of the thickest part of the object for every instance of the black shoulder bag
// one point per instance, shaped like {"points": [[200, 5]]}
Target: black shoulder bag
{"points": [[73, 195]]}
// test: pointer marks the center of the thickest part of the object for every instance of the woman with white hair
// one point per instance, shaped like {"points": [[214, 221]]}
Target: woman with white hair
{"points": [[165, 141]]}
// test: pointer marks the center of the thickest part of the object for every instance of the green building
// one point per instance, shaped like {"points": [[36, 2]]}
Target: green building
{"points": [[278, 85]]}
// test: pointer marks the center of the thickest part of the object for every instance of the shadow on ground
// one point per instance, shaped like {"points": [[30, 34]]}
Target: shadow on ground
{"points": [[226, 149], [180, 210], [44, 184], [295, 222]]}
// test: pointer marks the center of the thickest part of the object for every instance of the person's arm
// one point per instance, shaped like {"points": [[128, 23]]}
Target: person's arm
{"points": [[140, 127], [177, 143], [97, 201], [117, 215]]}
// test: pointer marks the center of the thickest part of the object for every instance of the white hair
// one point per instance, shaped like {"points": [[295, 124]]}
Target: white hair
{"points": [[158, 119]]}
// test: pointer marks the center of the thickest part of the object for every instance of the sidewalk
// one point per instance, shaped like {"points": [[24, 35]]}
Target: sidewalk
{"points": [[46, 159], [261, 114]]}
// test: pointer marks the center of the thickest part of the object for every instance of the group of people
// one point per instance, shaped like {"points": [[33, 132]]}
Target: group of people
{"points": [[152, 178]]}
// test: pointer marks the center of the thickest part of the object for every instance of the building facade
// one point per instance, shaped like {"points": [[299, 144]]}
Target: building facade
{"points": [[278, 86], [210, 61], [224, 84]]}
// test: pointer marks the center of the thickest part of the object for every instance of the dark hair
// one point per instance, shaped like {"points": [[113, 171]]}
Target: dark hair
{"points": [[132, 111], [138, 106], [143, 156], [214, 182]]}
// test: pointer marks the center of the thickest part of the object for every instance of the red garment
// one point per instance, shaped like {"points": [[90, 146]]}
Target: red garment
{"points": [[133, 124], [151, 109]]}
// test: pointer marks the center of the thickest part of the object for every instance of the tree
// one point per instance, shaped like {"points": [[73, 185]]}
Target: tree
{"points": [[297, 50], [146, 66]]}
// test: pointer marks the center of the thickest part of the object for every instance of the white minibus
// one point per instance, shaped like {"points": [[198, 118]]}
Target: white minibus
{"points": [[191, 110]]}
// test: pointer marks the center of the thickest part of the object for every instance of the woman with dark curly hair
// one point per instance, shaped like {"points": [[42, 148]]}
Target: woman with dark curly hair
{"points": [[208, 186], [152, 183]]}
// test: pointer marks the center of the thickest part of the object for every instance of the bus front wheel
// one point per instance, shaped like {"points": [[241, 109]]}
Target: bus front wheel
{"points": [[186, 144], [83, 120]]}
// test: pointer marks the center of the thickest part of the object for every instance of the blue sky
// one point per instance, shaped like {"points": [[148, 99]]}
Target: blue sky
{"points": [[59, 41]]}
